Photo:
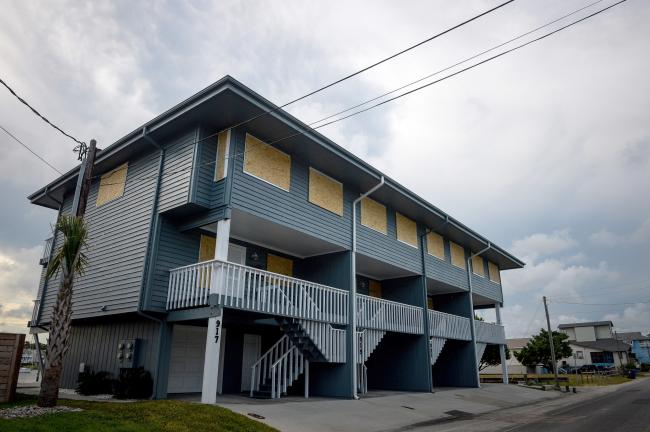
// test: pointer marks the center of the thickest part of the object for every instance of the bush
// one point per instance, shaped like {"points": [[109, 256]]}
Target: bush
{"points": [[135, 383], [94, 383]]}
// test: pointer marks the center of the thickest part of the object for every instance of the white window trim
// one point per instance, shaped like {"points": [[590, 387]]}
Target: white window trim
{"points": [[226, 158], [259, 178], [334, 180]]}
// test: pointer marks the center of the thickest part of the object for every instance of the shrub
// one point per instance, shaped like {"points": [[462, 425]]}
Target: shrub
{"points": [[94, 383], [134, 383]]}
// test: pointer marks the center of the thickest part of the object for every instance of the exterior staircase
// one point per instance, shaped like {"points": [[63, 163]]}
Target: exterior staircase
{"points": [[436, 344]]}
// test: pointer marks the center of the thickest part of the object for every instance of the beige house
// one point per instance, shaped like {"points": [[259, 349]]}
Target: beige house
{"points": [[594, 343]]}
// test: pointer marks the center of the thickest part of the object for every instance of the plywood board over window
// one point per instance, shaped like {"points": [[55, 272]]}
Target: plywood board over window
{"points": [[457, 255], [373, 215], [325, 192], [111, 185], [430, 303], [435, 245], [280, 265], [207, 247], [407, 230], [267, 163], [478, 266], [493, 269], [374, 288], [223, 142]]}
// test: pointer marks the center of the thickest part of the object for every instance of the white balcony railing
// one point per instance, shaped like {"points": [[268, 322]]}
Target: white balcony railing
{"points": [[448, 326], [36, 311], [47, 249], [489, 333], [247, 288], [381, 314]]}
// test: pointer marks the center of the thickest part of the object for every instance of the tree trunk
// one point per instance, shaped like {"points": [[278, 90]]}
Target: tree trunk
{"points": [[58, 342]]}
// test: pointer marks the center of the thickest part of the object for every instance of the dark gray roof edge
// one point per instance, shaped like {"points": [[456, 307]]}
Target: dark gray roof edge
{"points": [[585, 324], [228, 82]]}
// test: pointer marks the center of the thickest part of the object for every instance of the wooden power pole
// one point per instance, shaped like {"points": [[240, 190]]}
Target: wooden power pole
{"points": [[84, 181], [552, 345]]}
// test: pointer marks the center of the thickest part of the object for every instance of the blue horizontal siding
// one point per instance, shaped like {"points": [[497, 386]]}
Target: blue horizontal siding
{"points": [[175, 249], [177, 171], [485, 287], [292, 208]]}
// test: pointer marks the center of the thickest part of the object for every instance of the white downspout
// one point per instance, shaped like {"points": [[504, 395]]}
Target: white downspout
{"points": [[352, 304], [471, 308]]}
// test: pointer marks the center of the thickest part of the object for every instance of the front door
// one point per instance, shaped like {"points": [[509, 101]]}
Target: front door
{"points": [[252, 352]]}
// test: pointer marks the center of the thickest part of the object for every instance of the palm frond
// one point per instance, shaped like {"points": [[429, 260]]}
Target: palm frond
{"points": [[70, 256]]}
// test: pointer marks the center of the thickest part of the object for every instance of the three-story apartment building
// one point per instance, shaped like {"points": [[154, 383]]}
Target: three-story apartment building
{"points": [[228, 256]]}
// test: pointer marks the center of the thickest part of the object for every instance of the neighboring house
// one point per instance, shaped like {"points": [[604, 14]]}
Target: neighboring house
{"points": [[276, 305], [593, 343], [514, 366], [640, 345]]}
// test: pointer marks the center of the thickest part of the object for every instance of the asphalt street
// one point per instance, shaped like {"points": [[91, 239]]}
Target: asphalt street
{"points": [[618, 408], [626, 409]]}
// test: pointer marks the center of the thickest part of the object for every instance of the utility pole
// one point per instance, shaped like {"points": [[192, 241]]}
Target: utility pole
{"points": [[84, 180], [550, 341]]}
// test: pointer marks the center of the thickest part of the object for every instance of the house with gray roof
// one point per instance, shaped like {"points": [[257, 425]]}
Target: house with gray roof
{"points": [[640, 345], [232, 248], [594, 343]]}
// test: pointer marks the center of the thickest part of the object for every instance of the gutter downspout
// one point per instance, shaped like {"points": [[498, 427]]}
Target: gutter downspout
{"points": [[426, 301], [352, 304], [162, 323], [471, 308]]}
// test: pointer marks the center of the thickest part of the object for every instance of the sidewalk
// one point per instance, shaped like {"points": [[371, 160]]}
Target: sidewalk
{"points": [[384, 411]]}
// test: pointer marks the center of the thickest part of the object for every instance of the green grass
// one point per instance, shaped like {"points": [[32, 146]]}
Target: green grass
{"points": [[165, 415]]}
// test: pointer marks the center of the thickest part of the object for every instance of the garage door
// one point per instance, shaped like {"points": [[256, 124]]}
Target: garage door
{"points": [[187, 356]]}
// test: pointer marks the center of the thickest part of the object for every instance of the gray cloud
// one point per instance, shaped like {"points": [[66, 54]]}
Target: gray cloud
{"points": [[545, 151]]}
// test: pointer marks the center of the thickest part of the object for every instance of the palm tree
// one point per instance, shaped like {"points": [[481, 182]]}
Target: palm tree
{"points": [[71, 261]]}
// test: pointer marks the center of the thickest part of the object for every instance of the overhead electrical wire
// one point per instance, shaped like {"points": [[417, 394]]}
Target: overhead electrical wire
{"points": [[377, 63], [603, 304], [355, 113], [38, 114], [30, 150]]}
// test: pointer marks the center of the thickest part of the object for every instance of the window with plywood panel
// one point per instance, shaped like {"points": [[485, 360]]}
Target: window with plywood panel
{"points": [[478, 266], [373, 215], [493, 271], [457, 255], [435, 245], [407, 230], [112, 184], [267, 163], [325, 192]]}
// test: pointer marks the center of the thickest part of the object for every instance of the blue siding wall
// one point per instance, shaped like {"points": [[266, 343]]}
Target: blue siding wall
{"points": [[386, 247], [400, 362], [445, 271], [177, 171], [117, 244], [95, 344], [291, 208], [207, 192], [175, 249]]}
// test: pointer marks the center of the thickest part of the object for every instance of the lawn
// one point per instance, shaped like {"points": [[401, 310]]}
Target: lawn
{"points": [[580, 380], [164, 415]]}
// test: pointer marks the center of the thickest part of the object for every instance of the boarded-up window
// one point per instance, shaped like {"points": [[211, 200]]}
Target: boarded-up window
{"points": [[267, 163], [325, 192], [457, 255], [111, 185], [477, 266], [374, 288], [223, 142], [435, 245], [430, 303], [373, 215], [494, 272], [280, 265], [407, 230], [207, 247]]}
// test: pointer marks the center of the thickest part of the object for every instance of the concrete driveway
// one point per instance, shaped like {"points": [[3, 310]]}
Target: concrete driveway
{"points": [[383, 411]]}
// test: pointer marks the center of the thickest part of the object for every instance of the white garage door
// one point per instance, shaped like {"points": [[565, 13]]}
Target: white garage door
{"points": [[187, 356]]}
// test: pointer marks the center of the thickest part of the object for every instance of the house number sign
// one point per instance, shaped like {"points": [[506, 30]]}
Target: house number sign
{"points": [[217, 326]]}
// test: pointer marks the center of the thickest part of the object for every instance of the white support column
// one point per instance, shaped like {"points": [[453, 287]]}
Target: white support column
{"points": [[502, 348], [214, 340]]}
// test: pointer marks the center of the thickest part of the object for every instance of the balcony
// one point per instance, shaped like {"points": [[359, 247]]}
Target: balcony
{"points": [[47, 249], [448, 326], [489, 333], [247, 288]]}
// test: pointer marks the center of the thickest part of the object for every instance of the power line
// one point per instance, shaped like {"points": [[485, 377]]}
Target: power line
{"points": [[457, 63], [24, 102], [30, 150], [304, 131], [377, 63], [603, 304]]}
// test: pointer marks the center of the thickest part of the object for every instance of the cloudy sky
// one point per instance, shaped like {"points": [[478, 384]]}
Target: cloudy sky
{"points": [[546, 151]]}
